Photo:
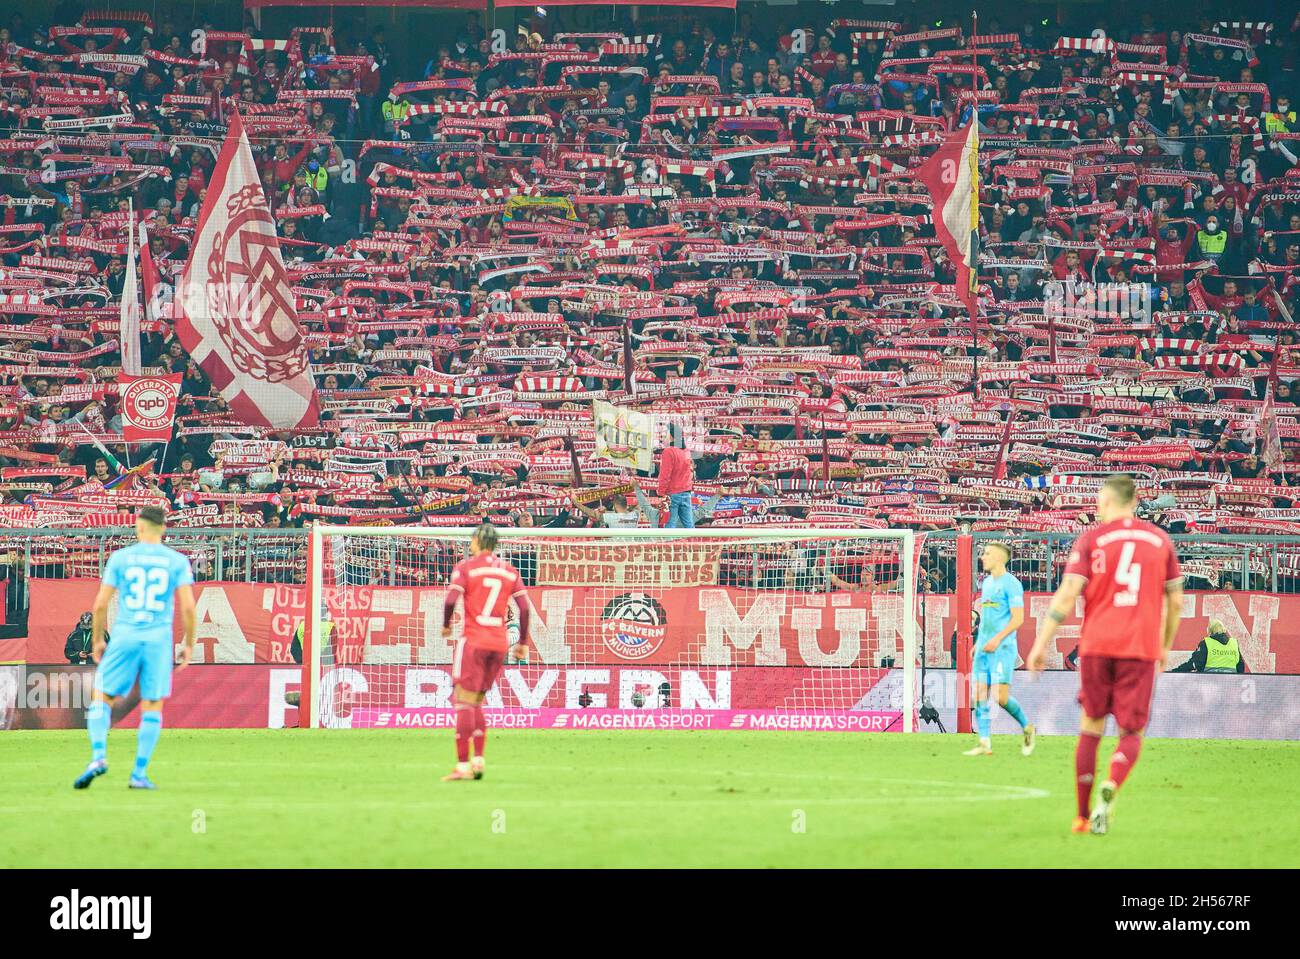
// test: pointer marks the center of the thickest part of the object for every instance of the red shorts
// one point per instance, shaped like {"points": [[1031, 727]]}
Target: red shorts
{"points": [[477, 667], [1120, 687]]}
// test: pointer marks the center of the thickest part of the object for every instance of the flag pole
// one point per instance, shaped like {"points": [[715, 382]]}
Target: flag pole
{"points": [[826, 453], [1272, 363], [629, 366], [1000, 467], [104, 449]]}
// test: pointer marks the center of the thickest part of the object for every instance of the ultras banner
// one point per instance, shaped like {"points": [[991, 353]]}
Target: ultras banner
{"points": [[614, 625]]}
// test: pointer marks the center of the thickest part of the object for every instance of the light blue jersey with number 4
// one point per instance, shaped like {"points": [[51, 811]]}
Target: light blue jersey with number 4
{"points": [[146, 577]]}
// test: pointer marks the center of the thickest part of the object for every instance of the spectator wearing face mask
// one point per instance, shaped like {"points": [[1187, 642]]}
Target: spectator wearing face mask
{"points": [[1213, 240], [1282, 118]]}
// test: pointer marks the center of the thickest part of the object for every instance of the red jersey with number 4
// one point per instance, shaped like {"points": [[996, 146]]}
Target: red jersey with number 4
{"points": [[486, 584], [1127, 563]]}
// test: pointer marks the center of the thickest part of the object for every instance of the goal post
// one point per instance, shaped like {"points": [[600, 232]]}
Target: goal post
{"points": [[733, 621]]}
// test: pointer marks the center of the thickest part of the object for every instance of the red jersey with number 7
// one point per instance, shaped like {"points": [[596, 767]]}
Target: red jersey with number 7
{"points": [[486, 583], [1128, 563]]}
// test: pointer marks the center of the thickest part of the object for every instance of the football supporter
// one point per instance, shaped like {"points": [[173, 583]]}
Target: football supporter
{"points": [[480, 244]]}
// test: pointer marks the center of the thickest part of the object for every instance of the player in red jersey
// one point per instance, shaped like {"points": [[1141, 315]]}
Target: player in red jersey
{"points": [[487, 584], [1127, 572]]}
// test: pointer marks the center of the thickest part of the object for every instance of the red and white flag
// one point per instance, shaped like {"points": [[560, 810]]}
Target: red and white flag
{"points": [[128, 332], [148, 407], [951, 176], [237, 315], [1272, 453]]}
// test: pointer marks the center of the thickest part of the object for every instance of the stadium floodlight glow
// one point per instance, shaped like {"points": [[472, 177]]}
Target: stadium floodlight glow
{"points": [[670, 614]]}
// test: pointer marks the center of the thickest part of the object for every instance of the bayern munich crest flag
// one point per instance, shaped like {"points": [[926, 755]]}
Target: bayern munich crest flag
{"points": [[238, 316], [951, 176]]}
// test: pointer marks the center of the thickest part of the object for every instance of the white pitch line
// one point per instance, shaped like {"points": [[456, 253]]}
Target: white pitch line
{"points": [[498, 801], [992, 792]]}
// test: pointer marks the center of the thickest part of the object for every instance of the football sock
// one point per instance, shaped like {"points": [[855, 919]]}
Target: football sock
{"points": [[480, 731], [1125, 757], [464, 730], [99, 716], [1085, 768], [982, 720], [1016, 712], [146, 738]]}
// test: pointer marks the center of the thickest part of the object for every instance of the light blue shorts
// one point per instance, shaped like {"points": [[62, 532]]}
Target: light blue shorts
{"points": [[995, 669], [125, 660]]}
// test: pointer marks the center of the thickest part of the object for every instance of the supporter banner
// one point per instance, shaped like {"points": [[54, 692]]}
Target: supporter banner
{"points": [[624, 436], [149, 407], [653, 565], [716, 625]]}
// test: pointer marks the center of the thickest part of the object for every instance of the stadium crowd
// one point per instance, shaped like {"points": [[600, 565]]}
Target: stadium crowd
{"points": [[730, 222]]}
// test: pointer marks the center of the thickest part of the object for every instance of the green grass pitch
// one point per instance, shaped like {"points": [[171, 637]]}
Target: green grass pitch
{"points": [[658, 799]]}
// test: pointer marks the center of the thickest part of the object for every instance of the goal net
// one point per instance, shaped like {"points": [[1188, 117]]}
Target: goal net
{"points": [[709, 628]]}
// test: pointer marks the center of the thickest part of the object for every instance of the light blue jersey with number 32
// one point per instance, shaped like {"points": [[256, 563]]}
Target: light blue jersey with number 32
{"points": [[146, 577]]}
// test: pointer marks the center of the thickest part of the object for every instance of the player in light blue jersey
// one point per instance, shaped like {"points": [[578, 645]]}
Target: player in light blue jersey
{"points": [[1002, 612], [149, 580]]}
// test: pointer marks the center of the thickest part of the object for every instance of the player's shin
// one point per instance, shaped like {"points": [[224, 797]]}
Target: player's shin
{"points": [[983, 720], [480, 734], [99, 716], [1125, 757], [1013, 709], [146, 739], [464, 732], [1085, 768]]}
